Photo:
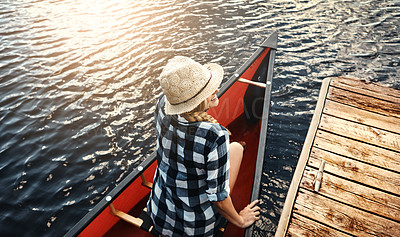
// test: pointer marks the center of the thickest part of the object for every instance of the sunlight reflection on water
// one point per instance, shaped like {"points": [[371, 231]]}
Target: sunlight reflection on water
{"points": [[78, 81]]}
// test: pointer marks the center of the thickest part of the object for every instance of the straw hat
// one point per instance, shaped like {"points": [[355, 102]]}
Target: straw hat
{"points": [[187, 83]]}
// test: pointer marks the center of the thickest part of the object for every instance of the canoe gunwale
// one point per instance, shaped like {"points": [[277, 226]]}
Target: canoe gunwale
{"points": [[111, 196], [270, 42], [255, 193], [132, 176]]}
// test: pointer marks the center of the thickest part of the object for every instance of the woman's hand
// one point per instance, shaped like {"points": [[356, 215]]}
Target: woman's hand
{"points": [[244, 219], [250, 214]]}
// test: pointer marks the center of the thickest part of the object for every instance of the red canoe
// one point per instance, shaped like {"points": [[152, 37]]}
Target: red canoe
{"points": [[243, 109]]}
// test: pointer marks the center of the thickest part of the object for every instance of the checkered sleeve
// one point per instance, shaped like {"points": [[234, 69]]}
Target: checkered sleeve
{"points": [[218, 168]]}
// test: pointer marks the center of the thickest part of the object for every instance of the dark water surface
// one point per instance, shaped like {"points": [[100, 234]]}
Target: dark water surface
{"points": [[78, 84]]}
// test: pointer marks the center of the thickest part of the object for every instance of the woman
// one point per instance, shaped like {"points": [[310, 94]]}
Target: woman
{"points": [[197, 166]]}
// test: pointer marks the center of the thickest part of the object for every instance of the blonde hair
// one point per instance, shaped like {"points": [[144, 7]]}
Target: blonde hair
{"points": [[198, 114]]}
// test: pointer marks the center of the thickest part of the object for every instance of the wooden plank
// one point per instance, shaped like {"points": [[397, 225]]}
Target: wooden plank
{"points": [[294, 185], [371, 89], [357, 171], [301, 226], [354, 194], [365, 117], [364, 102], [343, 217], [359, 138], [358, 150], [360, 132]]}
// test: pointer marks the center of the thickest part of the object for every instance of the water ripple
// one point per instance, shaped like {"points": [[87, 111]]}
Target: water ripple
{"points": [[78, 81]]}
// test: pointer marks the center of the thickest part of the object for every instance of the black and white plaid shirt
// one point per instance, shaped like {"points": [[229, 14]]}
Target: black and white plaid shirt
{"points": [[192, 172]]}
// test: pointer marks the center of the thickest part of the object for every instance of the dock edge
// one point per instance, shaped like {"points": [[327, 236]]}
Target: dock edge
{"points": [[301, 164]]}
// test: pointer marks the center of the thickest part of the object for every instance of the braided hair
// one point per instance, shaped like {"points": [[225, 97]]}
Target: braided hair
{"points": [[198, 114]]}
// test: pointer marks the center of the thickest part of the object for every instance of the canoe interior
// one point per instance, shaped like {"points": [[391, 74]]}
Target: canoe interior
{"points": [[240, 194], [229, 113]]}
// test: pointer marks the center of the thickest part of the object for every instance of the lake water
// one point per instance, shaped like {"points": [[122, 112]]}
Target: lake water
{"points": [[78, 84]]}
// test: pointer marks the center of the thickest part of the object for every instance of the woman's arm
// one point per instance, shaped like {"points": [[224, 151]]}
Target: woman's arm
{"points": [[244, 219]]}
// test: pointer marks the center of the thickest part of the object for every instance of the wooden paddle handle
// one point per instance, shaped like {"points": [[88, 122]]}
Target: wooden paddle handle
{"points": [[254, 83]]}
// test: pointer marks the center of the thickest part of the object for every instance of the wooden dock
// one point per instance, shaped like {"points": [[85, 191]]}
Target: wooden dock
{"points": [[355, 130]]}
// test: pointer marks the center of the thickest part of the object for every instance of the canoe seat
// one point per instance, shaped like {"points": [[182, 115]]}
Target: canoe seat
{"points": [[147, 224], [144, 221], [145, 182]]}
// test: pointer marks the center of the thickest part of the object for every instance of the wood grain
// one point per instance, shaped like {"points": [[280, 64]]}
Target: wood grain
{"points": [[364, 102], [370, 89], [357, 150], [301, 226], [354, 170], [362, 116], [368, 134], [354, 194], [358, 137], [343, 217]]}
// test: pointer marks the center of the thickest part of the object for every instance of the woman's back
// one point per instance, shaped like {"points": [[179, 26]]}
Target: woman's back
{"points": [[193, 171]]}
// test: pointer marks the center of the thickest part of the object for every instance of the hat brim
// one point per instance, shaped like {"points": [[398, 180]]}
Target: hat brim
{"points": [[217, 73]]}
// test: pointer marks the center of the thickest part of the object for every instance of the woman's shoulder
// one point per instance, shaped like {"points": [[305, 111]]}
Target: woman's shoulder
{"points": [[214, 129], [161, 101], [159, 111]]}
